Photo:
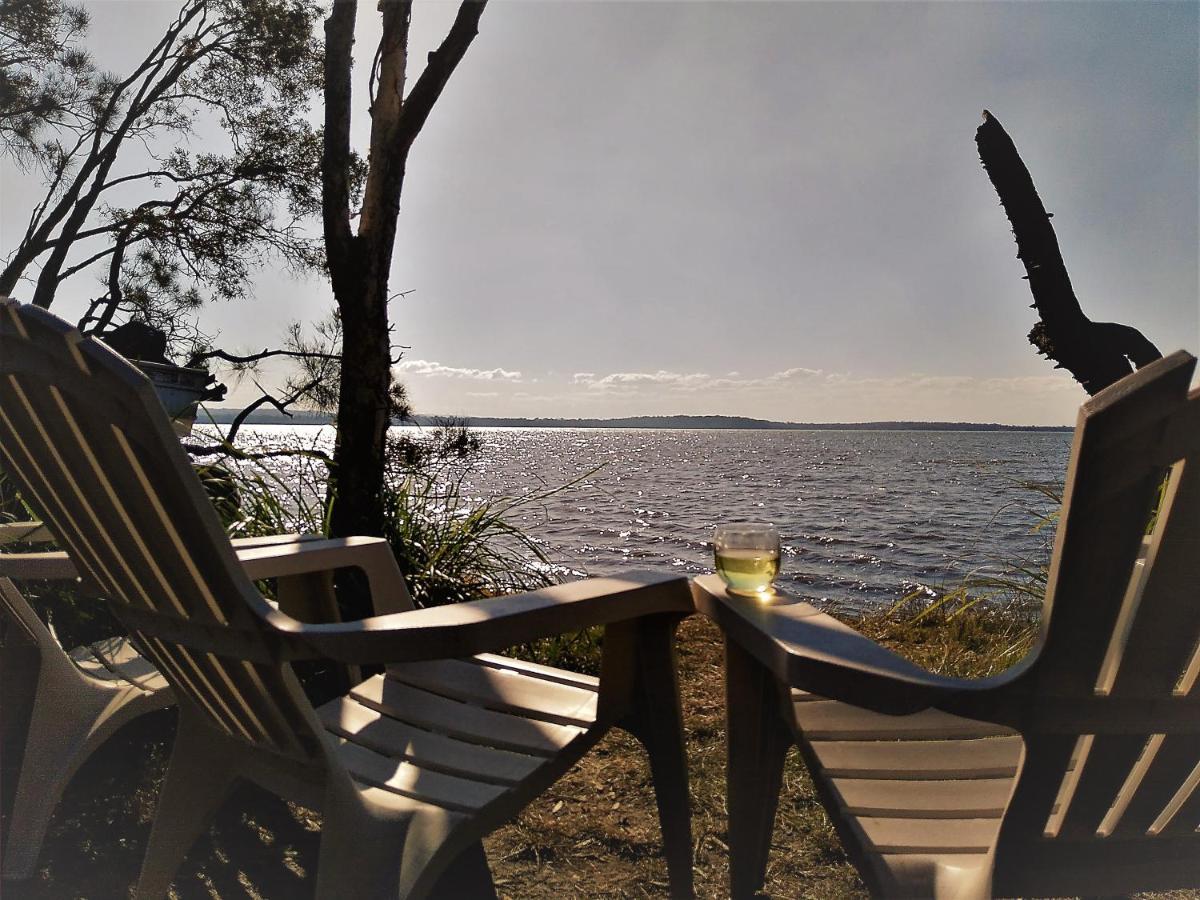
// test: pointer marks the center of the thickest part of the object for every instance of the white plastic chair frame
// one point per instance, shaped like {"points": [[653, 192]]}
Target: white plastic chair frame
{"points": [[57, 708], [410, 769], [1075, 772]]}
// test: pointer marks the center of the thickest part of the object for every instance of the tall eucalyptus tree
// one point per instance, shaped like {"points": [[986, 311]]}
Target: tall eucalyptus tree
{"points": [[360, 260]]}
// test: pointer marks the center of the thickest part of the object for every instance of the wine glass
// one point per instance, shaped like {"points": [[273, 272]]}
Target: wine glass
{"points": [[747, 557]]}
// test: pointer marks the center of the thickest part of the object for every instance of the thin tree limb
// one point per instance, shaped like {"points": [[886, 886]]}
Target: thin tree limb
{"points": [[256, 455], [442, 63], [265, 354], [281, 405]]}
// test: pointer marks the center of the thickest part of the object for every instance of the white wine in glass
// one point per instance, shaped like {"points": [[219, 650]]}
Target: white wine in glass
{"points": [[747, 557]]}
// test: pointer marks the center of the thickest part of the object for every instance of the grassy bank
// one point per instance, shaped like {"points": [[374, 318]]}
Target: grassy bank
{"points": [[595, 834]]}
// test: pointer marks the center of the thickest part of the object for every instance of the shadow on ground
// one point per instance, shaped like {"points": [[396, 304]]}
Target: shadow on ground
{"points": [[593, 835]]}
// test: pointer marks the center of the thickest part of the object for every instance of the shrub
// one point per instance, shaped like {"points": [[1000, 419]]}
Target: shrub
{"points": [[453, 549]]}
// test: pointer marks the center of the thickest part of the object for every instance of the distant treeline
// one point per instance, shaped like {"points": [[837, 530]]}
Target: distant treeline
{"points": [[224, 416], [743, 423]]}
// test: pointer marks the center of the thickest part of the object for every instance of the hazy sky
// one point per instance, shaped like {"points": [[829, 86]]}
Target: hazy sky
{"points": [[766, 209]]}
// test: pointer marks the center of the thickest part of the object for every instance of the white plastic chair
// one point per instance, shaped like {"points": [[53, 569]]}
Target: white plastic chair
{"points": [[409, 769], [1076, 772], [57, 708]]}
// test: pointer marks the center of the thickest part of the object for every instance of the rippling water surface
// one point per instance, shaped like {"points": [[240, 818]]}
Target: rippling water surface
{"points": [[866, 516]]}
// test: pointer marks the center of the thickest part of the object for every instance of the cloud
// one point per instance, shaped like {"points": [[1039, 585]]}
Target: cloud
{"points": [[628, 382], [661, 377], [436, 369], [950, 384], [796, 374], [808, 394], [796, 393]]}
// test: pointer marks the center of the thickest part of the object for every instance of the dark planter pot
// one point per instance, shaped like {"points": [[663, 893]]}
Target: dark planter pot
{"points": [[180, 390]]}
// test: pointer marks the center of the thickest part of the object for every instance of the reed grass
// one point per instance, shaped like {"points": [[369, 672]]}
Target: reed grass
{"points": [[453, 548]]}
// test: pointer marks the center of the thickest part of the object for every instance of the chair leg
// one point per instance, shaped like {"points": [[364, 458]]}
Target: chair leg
{"points": [[201, 771], [657, 722], [466, 878], [18, 689], [56, 743], [370, 851], [757, 742], [359, 857]]}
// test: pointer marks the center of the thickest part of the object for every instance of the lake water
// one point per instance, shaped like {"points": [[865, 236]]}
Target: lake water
{"points": [[866, 516]]}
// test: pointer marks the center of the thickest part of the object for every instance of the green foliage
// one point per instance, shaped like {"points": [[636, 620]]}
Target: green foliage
{"points": [[577, 651], [45, 75], [74, 619], [1018, 585], [261, 498], [191, 225], [1015, 583], [955, 635], [1159, 498], [12, 507], [452, 548], [449, 441]]}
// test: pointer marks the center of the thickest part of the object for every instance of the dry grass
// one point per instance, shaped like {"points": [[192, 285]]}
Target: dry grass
{"points": [[594, 834]]}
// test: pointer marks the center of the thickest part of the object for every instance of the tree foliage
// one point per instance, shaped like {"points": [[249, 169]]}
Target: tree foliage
{"points": [[45, 75], [165, 225]]}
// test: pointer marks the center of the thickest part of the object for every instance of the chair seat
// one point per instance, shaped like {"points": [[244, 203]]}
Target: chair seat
{"points": [[920, 797], [459, 734], [116, 659]]}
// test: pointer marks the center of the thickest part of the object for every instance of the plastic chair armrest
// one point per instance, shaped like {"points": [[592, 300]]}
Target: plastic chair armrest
{"points": [[276, 556], [482, 626], [808, 649]]}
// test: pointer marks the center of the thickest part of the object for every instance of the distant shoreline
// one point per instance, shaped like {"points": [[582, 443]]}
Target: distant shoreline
{"points": [[225, 415]]}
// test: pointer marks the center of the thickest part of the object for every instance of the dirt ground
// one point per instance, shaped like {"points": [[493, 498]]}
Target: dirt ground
{"points": [[594, 834]]}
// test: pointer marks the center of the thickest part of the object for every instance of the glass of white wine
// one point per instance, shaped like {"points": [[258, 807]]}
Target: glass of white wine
{"points": [[747, 557]]}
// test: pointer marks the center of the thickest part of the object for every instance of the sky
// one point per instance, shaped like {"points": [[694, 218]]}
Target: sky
{"points": [[764, 209]]}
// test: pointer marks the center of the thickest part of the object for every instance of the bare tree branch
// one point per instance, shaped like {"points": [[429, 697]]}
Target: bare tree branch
{"points": [[442, 63], [255, 357], [232, 452], [1097, 354], [227, 446]]}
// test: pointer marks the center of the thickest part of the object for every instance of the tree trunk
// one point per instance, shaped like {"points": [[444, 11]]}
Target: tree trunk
{"points": [[1097, 354], [363, 412], [360, 264]]}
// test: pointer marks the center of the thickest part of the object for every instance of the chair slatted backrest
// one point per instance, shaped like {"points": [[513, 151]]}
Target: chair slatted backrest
{"points": [[86, 439], [1109, 707]]}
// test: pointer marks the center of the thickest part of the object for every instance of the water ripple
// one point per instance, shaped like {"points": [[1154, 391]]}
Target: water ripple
{"points": [[866, 517]]}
